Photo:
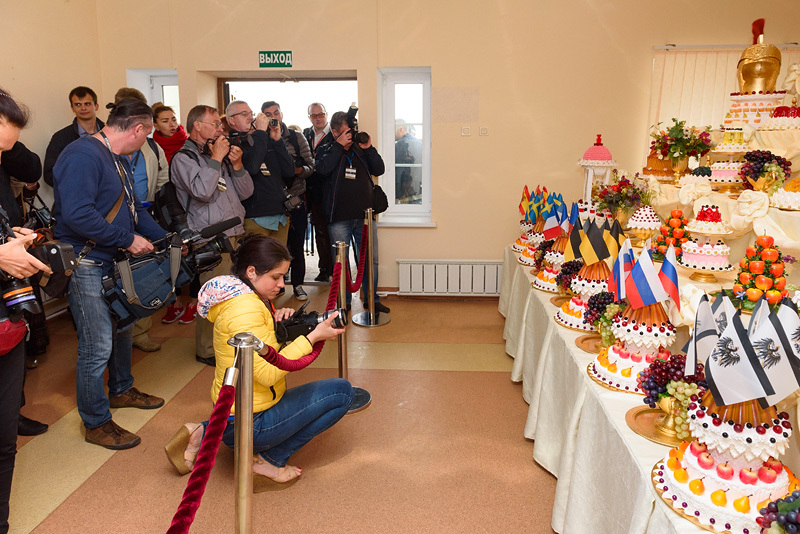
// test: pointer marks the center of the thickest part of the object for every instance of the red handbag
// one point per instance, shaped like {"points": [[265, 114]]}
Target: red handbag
{"points": [[11, 333]]}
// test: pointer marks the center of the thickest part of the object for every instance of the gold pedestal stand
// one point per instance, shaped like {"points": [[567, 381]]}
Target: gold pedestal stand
{"points": [[655, 424]]}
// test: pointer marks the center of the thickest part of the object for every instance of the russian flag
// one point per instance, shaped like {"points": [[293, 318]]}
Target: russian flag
{"points": [[643, 287], [622, 267], [669, 276]]}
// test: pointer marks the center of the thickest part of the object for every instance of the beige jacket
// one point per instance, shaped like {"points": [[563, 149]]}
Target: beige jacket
{"points": [[155, 178]]}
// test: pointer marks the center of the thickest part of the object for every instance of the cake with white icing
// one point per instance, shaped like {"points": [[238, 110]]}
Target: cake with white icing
{"points": [[645, 218], [536, 234], [709, 221], [752, 108], [555, 256], [785, 200], [726, 172], [590, 280], [731, 469], [707, 256], [641, 335], [527, 257], [546, 280]]}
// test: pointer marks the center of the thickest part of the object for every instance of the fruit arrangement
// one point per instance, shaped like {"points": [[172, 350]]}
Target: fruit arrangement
{"points": [[673, 232], [702, 171], [764, 171], [538, 255], [781, 516], [568, 272], [664, 378], [600, 310], [761, 272]]}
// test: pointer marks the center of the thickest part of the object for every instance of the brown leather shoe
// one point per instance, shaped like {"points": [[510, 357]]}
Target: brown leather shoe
{"points": [[112, 436], [133, 398], [143, 342]]}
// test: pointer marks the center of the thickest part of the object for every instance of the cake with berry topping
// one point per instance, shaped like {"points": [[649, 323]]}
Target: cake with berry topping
{"points": [[642, 335], [555, 256], [731, 469], [783, 118], [644, 222], [591, 279], [707, 256], [536, 234], [709, 221], [527, 257], [546, 280]]}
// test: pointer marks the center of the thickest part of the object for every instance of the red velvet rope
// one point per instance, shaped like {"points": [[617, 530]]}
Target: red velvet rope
{"points": [[190, 502], [351, 287]]}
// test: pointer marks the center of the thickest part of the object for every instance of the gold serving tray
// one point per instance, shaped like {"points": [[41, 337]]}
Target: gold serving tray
{"points": [[591, 343], [692, 519], [599, 381], [641, 420], [533, 285], [559, 323], [559, 300]]}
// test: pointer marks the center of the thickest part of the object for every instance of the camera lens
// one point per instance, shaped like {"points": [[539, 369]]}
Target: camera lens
{"points": [[339, 322], [18, 296]]}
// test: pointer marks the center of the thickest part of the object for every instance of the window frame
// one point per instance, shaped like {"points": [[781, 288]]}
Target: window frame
{"points": [[404, 214]]}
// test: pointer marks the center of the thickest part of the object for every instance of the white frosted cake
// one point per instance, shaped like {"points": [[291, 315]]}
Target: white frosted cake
{"points": [[590, 280], [555, 256], [709, 221], [785, 200], [571, 315], [706, 256], [520, 244], [546, 280], [526, 258], [752, 108], [645, 218]]}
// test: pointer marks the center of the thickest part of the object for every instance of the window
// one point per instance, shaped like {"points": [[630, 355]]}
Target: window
{"points": [[406, 145]]}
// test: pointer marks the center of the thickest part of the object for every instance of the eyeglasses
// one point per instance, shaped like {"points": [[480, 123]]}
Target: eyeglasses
{"points": [[215, 124], [317, 115], [244, 114]]}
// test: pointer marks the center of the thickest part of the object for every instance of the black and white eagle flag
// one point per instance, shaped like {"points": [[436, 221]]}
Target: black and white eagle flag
{"points": [[760, 312], [776, 345], [704, 336], [722, 308]]}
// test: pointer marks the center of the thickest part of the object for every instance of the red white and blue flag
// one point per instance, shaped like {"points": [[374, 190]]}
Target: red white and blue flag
{"points": [[552, 229], [622, 268], [669, 276], [643, 287]]}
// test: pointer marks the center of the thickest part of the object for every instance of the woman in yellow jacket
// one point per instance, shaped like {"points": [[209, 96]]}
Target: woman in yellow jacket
{"points": [[283, 419]]}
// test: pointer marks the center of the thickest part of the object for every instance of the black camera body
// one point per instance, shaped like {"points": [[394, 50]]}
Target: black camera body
{"points": [[352, 122], [240, 139], [273, 123], [291, 202], [301, 323]]}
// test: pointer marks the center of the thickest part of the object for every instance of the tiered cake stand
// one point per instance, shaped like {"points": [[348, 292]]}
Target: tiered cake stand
{"points": [[706, 275]]}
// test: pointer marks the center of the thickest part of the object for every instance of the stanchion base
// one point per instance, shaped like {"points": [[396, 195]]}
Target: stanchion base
{"points": [[363, 319], [361, 399]]}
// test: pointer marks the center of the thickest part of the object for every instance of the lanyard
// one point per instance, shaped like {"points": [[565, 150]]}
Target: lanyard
{"points": [[134, 161], [127, 181]]}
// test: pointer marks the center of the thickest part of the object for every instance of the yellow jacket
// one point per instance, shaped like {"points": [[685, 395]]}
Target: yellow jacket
{"points": [[237, 309]]}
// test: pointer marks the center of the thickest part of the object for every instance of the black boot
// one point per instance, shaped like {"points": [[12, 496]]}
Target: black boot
{"points": [[29, 427]]}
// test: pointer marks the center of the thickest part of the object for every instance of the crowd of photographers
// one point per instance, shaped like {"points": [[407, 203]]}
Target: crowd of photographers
{"points": [[208, 184]]}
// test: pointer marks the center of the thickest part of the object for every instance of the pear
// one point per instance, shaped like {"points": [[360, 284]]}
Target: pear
{"points": [[697, 487]]}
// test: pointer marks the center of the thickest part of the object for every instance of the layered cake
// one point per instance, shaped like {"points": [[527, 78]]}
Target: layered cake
{"points": [[591, 279], [520, 244], [655, 166], [732, 142], [726, 172], [644, 222], [587, 210], [546, 280], [732, 468], [641, 335], [709, 221], [783, 118], [527, 257], [706, 256], [785, 199], [752, 108], [535, 234], [555, 256], [525, 226]]}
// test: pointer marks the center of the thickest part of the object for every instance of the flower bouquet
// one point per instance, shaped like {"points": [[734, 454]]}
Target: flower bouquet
{"points": [[622, 194], [680, 141]]}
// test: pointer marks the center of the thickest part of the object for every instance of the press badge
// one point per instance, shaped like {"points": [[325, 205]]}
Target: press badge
{"points": [[350, 173], [264, 170]]}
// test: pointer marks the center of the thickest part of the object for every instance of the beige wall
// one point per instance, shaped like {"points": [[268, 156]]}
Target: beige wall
{"points": [[549, 75]]}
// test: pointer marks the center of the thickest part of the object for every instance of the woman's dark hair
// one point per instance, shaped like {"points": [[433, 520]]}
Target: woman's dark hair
{"points": [[159, 108], [13, 112], [264, 253], [127, 113]]}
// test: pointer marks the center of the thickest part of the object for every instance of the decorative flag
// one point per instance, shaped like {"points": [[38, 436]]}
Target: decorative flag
{"points": [[704, 336], [643, 287], [622, 268], [572, 251], [775, 345], [723, 309], [593, 248], [538, 204], [573, 215], [669, 276], [563, 217], [523, 204], [760, 312], [551, 228], [617, 233], [733, 371]]}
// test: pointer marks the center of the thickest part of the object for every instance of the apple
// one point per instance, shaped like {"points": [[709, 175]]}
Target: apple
{"points": [[745, 278], [780, 283], [624, 354], [636, 357], [663, 249], [742, 505], [748, 476], [757, 267], [681, 475], [674, 223], [737, 288], [773, 296], [750, 252], [753, 294], [776, 269], [677, 214], [763, 282], [705, 460], [670, 241], [664, 229], [784, 293], [697, 447], [678, 233], [774, 464], [685, 220], [769, 254], [725, 471], [766, 475], [764, 241], [649, 358], [743, 263]]}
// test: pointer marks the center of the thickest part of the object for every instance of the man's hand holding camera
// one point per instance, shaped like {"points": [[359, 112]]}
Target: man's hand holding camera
{"points": [[222, 148], [14, 258]]}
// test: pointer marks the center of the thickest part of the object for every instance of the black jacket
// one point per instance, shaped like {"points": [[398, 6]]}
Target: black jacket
{"points": [[58, 143], [268, 194], [315, 182], [23, 165], [331, 164]]}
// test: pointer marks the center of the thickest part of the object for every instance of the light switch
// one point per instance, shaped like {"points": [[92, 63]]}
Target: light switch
{"points": [[465, 131], [484, 130]]}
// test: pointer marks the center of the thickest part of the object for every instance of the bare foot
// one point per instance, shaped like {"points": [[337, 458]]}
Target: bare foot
{"points": [[273, 472], [195, 439]]}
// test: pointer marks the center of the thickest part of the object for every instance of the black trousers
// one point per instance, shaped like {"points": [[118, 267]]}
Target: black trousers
{"points": [[12, 370], [322, 238], [298, 221]]}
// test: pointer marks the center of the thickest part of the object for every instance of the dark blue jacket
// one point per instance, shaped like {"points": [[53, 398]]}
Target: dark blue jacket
{"points": [[331, 163]]}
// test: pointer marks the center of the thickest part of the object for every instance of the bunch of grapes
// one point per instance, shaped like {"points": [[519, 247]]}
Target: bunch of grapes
{"points": [[687, 395], [781, 516], [538, 254], [702, 171], [665, 369], [568, 271], [596, 306], [762, 163], [603, 323]]}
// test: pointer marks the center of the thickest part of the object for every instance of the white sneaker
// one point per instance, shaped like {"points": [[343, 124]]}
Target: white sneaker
{"points": [[300, 293]]}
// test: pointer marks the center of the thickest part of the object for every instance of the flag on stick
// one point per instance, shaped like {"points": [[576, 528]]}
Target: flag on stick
{"points": [[573, 215], [643, 287], [704, 336], [622, 268], [572, 251], [669, 276], [523, 204], [775, 346], [593, 248], [551, 228]]}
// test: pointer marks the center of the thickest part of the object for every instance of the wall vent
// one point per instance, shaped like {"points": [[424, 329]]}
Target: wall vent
{"points": [[450, 277]]}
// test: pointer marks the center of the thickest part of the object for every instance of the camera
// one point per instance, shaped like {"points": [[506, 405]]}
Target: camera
{"points": [[302, 323], [236, 138], [292, 202], [352, 122], [38, 217], [273, 123]]}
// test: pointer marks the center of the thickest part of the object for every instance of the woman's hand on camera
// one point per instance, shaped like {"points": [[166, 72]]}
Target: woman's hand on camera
{"points": [[283, 313], [325, 331], [16, 261]]}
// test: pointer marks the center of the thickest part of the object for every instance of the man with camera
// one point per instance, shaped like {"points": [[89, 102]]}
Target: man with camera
{"points": [[318, 135], [98, 214], [347, 166], [211, 182], [298, 148]]}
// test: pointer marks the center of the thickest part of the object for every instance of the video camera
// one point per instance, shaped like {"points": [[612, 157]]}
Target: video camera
{"points": [[302, 323], [352, 122]]}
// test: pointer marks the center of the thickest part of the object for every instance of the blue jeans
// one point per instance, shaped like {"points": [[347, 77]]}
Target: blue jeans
{"points": [[100, 345], [302, 413], [349, 232]]}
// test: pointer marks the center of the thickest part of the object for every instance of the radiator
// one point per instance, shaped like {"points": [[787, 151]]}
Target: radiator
{"points": [[450, 277]]}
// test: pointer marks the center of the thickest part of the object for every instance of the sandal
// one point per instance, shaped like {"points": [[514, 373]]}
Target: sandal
{"points": [[262, 483], [179, 453]]}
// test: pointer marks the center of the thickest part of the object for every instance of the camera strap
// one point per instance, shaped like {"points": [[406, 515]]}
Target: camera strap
{"points": [[87, 248], [126, 272]]}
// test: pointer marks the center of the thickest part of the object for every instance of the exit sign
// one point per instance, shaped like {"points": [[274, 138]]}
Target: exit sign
{"points": [[280, 58]]}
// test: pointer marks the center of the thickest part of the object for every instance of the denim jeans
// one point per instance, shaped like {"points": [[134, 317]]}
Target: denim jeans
{"points": [[349, 232], [100, 345], [302, 413]]}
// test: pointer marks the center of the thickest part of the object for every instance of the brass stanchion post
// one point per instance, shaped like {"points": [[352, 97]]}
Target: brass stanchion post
{"points": [[369, 318]]}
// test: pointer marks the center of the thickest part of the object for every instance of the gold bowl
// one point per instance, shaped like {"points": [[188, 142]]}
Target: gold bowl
{"points": [[644, 233]]}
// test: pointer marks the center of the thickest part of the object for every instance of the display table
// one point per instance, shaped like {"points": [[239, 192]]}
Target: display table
{"points": [[578, 427]]}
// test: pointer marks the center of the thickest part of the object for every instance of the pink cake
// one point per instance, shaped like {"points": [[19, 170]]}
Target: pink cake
{"points": [[707, 256], [726, 172]]}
